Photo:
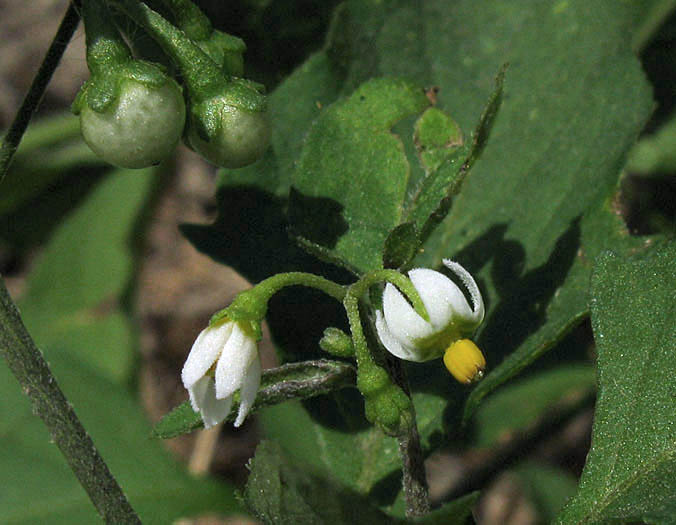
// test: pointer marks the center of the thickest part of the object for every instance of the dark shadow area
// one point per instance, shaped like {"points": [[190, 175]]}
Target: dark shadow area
{"points": [[250, 234], [522, 306], [318, 219]]}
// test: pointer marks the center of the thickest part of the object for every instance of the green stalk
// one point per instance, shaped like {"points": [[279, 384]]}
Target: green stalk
{"points": [[105, 46], [200, 73], [38, 383], [11, 140]]}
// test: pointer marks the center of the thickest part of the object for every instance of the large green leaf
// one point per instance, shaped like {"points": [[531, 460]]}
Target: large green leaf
{"points": [[352, 175], [72, 309], [630, 474], [75, 289], [533, 213], [280, 491]]}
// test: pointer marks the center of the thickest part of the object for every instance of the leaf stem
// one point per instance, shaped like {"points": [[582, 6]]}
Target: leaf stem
{"points": [[33, 374], [64, 33]]}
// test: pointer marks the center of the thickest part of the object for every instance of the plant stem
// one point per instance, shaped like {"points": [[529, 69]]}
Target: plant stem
{"points": [[200, 73], [32, 372], [414, 477], [10, 141]]}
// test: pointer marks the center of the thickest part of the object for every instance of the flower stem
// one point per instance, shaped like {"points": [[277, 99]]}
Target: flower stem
{"points": [[10, 141], [252, 305], [190, 19], [105, 46], [399, 280], [33, 374], [201, 74]]}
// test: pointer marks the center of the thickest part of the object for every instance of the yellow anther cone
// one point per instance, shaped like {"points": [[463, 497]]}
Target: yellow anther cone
{"points": [[465, 361]]}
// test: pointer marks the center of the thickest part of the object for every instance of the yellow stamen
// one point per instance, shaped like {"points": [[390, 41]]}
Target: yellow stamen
{"points": [[465, 361]]}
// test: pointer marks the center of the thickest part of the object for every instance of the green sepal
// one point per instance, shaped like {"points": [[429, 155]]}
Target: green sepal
{"points": [[244, 94], [226, 50], [148, 74], [102, 90]]}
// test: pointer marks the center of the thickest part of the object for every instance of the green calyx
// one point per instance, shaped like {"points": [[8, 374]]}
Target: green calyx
{"points": [[103, 89], [225, 50], [227, 117]]}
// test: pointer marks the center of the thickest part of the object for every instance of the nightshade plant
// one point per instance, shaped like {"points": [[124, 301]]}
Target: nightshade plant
{"points": [[405, 198]]}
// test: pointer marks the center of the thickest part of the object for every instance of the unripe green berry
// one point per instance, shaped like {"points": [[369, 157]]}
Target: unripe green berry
{"points": [[236, 136], [140, 128]]}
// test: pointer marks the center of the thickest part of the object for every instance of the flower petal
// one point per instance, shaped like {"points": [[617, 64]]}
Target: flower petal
{"points": [[203, 400], [402, 320], [237, 355], [198, 392], [390, 342], [204, 352], [441, 296], [478, 311], [249, 389]]}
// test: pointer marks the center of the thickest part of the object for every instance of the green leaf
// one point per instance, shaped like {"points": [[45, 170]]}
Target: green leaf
{"points": [[521, 405], [281, 492], [630, 474], [548, 301], [655, 153], [457, 512], [533, 213], [548, 488], [75, 289], [74, 315], [352, 173], [401, 245], [291, 381]]}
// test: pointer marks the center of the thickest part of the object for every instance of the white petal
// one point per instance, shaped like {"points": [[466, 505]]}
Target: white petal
{"points": [[402, 320], [203, 400], [204, 352], [390, 342], [198, 392], [441, 296], [478, 313], [249, 389], [237, 355]]}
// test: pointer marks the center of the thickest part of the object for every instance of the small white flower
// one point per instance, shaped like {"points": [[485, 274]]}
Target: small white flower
{"points": [[233, 352], [408, 336]]}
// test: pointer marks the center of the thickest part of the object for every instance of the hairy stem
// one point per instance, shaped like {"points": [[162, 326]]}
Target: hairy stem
{"points": [[33, 374], [10, 141], [414, 477]]}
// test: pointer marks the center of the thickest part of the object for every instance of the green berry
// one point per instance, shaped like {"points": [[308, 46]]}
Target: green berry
{"points": [[140, 128]]}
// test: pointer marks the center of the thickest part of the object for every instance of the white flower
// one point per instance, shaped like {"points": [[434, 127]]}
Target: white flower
{"points": [[408, 336], [232, 351]]}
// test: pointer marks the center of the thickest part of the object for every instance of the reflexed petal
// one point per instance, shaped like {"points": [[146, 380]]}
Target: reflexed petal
{"points": [[402, 320], [441, 296], [204, 352], [390, 342], [478, 311], [237, 355], [249, 389]]}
